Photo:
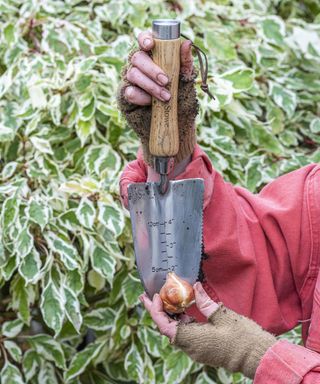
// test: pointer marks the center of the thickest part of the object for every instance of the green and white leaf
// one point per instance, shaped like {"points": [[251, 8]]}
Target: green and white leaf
{"points": [[49, 349], [38, 213], [10, 374], [131, 290], [134, 363], [22, 297], [112, 217], [47, 374], [101, 319], [86, 213], [24, 242], [13, 349], [12, 328], [66, 251], [284, 98], [82, 359], [30, 364], [30, 266], [103, 262], [72, 308], [52, 307]]}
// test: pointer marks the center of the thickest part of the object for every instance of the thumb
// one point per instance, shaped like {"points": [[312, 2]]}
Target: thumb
{"points": [[204, 303], [186, 65]]}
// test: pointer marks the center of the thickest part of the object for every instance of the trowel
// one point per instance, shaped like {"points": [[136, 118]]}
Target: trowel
{"points": [[166, 216]]}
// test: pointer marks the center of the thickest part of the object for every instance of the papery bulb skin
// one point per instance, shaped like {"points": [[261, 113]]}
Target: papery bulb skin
{"points": [[176, 294]]}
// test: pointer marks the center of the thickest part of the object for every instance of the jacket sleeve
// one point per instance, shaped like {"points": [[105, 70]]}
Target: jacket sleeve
{"points": [[263, 258], [262, 249], [134, 172], [286, 363]]}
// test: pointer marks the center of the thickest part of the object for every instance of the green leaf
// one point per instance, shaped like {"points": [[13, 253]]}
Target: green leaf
{"points": [[150, 339], [66, 251], [49, 349], [149, 373], [83, 82], [262, 137], [133, 363], [22, 297], [75, 280], [30, 266], [315, 125], [24, 242], [38, 213], [111, 216], [47, 374], [12, 328], [85, 129], [101, 319], [9, 212], [285, 98], [87, 112], [9, 32], [10, 374], [220, 45], [13, 350], [30, 364], [6, 133], [103, 262], [96, 280], [82, 359], [131, 290], [52, 307], [102, 160], [86, 213], [3, 254], [203, 378], [9, 268], [9, 169], [275, 117], [241, 78], [125, 332], [176, 366], [273, 29], [41, 145], [72, 307]]}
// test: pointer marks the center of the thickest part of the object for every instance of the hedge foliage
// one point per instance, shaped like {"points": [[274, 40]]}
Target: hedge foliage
{"points": [[69, 289]]}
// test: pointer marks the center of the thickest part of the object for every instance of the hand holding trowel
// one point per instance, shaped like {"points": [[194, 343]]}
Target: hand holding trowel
{"points": [[167, 215]]}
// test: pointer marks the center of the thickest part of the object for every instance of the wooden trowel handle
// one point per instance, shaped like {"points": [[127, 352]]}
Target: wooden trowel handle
{"points": [[164, 133]]}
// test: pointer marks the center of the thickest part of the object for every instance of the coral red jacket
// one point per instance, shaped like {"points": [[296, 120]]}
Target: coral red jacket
{"points": [[263, 259]]}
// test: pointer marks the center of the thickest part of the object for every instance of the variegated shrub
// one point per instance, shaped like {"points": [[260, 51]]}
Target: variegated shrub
{"points": [[69, 308]]}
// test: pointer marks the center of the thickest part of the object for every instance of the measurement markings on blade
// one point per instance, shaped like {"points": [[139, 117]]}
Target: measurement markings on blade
{"points": [[166, 244]]}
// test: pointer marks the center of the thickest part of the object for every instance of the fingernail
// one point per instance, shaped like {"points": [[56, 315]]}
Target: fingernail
{"points": [[163, 79], [146, 43], [165, 95], [129, 91]]}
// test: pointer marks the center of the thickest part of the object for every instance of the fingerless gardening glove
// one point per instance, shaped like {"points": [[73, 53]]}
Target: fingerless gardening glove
{"points": [[139, 117], [228, 340]]}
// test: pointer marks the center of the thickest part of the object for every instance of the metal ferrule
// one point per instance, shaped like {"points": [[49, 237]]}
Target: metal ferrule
{"points": [[166, 29], [163, 166]]}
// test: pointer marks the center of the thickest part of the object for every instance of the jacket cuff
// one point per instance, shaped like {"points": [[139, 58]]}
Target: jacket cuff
{"points": [[285, 363], [199, 167]]}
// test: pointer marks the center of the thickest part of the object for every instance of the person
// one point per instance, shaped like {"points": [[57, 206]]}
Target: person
{"points": [[261, 251]]}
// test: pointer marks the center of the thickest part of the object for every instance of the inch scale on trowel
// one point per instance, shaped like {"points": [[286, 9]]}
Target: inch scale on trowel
{"points": [[166, 245]]}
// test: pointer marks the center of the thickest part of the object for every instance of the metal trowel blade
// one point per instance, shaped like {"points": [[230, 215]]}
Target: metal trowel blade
{"points": [[167, 231]]}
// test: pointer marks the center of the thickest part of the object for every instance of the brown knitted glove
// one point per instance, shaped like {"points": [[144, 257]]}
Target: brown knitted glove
{"points": [[228, 340], [139, 117]]}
